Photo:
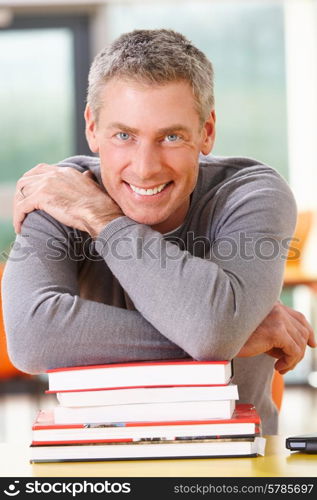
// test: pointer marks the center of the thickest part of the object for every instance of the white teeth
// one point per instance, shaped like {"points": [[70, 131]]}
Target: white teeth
{"points": [[148, 192]]}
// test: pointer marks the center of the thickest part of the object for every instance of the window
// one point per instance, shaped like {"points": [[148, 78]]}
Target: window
{"points": [[245, 42], [42, 96]]}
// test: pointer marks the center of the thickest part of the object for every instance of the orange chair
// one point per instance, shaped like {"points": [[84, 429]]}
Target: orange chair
{"points": [[303, 227], [7, 370], [277, 389]]}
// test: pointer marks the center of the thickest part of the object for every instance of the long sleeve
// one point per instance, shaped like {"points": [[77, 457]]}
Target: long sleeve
{"points": [[209, 306], [49, 325], [200, 292]]}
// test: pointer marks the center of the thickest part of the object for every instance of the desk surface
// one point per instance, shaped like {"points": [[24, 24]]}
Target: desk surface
{"points": [[277, 462]]}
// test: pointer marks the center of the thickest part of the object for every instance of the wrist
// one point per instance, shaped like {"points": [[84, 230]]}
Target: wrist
{"points": [[95, 225]]}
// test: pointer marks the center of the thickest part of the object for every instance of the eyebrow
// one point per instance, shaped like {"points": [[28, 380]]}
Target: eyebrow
{"points": [[166, 130]]}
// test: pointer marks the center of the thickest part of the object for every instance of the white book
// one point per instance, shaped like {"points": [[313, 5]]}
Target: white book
{"points": [[140, 374], [160, 449], [245, 420], [143, 412], [146, 395]]}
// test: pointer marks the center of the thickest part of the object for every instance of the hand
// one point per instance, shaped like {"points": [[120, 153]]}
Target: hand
{"points": [[284, 334], [72, 198]]}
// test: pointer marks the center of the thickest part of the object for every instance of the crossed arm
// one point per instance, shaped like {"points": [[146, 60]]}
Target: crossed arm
{"points": [[75, 200]]}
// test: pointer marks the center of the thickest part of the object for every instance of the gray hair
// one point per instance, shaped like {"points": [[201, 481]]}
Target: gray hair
{"points": [[153, 56]]}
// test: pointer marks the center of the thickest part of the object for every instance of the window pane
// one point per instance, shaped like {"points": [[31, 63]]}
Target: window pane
{"points": [[37, 109], [245, 42]]}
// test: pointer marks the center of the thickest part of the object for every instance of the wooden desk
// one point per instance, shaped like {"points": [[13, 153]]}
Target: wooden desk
{"points": [[277, 462]]}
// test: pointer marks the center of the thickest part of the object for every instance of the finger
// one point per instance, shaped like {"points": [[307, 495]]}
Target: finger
{"points": [[24, 181], [300, 317], [20, 194], [287, 362], [312, 340], [281, 370], [18, 197], [298, 331], [88, 173], [291, 346], [17, 222], [283, 365], [18, 227], [18, 217], [301, 325], [31, 175], [24, 187], [287, 326], [305, 330], [38, 169], [22, 209]]}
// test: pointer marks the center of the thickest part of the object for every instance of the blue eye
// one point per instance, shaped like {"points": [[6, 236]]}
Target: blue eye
{"points": [[172, 137], [124, 136]]}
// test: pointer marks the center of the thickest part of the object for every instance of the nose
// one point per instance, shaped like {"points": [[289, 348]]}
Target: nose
{"points": [[147, 162]]}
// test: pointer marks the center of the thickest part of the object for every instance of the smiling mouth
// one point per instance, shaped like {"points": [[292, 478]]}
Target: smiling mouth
{"points": [[149, 192]]}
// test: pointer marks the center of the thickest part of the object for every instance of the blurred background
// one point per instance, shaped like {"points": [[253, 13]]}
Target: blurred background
{"points": [[264, 54]]}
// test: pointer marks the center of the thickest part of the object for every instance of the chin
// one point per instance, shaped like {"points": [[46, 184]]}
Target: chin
{"points": [[144, 219]]}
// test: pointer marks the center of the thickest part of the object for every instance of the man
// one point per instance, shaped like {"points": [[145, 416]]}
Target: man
{"points": [[156, 249]]}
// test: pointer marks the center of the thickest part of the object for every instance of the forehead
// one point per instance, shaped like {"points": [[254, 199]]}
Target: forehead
{"points": [[122, 100]]}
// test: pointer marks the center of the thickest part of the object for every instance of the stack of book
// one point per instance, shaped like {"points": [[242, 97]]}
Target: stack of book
{"points": [[155, 409]]}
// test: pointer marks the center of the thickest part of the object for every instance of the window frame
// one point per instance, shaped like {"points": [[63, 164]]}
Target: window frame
{"points": [[80, 27]]}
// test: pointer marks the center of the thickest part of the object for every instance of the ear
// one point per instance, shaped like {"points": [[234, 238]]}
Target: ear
{"points": [[208, 134], [90, 130]]}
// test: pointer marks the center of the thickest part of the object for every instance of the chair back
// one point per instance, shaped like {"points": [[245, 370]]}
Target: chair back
{"points": [[302, 230], [277, 389], [7, 369]]}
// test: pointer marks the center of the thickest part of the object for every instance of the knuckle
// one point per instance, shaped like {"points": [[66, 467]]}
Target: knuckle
{"points": [[294, 351], [301, 316], [300, 351], [273, 333], [67, 170], [280, 330], [280, 316], [277, 307], [45, 181], [307, 333], [42, 165], [304, 335], [311, 331]]}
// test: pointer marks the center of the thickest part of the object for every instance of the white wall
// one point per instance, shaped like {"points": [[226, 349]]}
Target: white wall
{"points": [[301, 70]]}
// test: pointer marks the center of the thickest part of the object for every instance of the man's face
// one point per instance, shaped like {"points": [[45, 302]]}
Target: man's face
{"points": [[149, 139]]}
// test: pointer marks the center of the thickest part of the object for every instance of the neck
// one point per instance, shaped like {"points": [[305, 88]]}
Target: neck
{"points": [[174, 220]]}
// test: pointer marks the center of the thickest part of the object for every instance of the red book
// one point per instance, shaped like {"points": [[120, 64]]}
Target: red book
{"points": [[245, 421], [140, 374]]}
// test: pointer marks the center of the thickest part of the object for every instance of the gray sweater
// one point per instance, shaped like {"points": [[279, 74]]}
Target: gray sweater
{"points": [[135, 294]]}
